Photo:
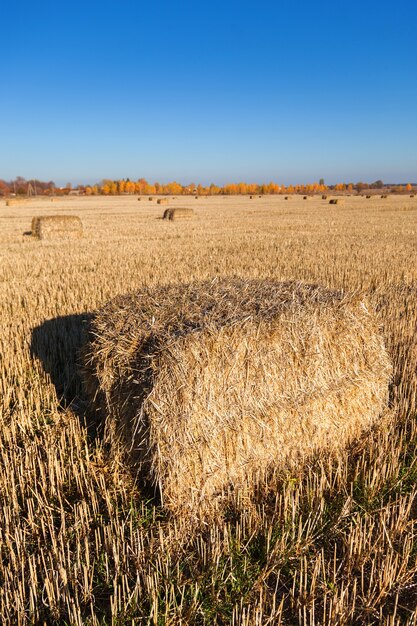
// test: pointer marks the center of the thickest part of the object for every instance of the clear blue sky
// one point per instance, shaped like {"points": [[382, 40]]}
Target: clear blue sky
{"points": [[213, 91]]}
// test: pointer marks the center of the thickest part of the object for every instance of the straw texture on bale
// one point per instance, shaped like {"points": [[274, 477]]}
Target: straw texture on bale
{"points": [[166, 214], [207, 387], [163, 201], [57, 226], [179, 214]]}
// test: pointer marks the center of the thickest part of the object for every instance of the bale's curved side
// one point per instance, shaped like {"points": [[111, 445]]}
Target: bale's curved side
{"points": [[209, 386]]}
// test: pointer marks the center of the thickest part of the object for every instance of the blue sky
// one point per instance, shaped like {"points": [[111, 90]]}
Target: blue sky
{"points": [[209, 91]]}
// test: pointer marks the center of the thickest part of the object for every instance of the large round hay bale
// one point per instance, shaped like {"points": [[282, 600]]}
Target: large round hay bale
{"points": [[207, 387], [57, 226], [181, 213]]}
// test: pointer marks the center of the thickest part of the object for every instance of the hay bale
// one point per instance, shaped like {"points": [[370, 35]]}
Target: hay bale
{"points": [[139, 199], [412, 195], [207, 387], [367, 197], [324, 197], [286, 198], [196, 197], [180, 214], [54, 199], [336, 201], [150, 198], [304, 197], [16, 201], [57, 226], [384, 196], [163, 201]]}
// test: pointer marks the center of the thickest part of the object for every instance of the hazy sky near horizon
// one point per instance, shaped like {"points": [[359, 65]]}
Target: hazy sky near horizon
{"points": [[209, 91]]}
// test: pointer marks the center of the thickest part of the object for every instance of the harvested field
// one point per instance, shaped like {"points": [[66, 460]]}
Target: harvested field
{"points": [[290, 369], [56, 226], [330, 542]]}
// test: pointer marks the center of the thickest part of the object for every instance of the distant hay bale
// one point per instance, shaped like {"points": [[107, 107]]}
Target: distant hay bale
{"points": [[57, 226], [251, 197], [180, 214], [286, 198], [324, 197], [196, 197], [304, 197], [412, 195], [163, 201], [259, 196], [367, 197], [139, 199], [16, 201], [207, 387], [384, 196], [54, 199], [150, 198], [336, 201]]}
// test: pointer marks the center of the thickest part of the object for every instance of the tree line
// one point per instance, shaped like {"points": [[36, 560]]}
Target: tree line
{"points": [[108, 187]]}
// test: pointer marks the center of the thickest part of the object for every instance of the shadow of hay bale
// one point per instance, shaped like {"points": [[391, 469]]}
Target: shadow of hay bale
{"points": [[57, 344]]}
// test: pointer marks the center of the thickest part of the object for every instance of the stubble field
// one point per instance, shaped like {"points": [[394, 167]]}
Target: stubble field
{"points": [[335, 543]]}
